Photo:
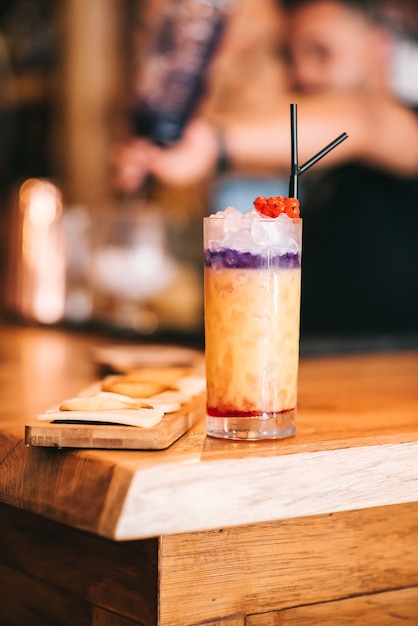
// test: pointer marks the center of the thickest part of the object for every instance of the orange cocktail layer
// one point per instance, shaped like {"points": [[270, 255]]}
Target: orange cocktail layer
{"points": [[252, 340]]}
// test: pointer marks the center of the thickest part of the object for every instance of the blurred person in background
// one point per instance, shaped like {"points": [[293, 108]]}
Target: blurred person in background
{"points": [[360, 203]]}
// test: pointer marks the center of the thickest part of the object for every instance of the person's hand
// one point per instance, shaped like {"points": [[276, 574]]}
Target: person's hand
{"points": [[190, 160], [130, 163], [186, 162]]}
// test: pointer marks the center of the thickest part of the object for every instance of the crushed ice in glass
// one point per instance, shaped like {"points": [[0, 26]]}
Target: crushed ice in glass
{"points": [[253, 232]]}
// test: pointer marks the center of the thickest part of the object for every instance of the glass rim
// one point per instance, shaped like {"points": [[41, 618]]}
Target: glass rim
{"points": [[268, 220]]}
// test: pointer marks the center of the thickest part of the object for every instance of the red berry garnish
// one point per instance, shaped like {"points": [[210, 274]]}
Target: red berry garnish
{"points": [[274, 206], [260, 203], [263, 207], [292, 207], [277, 204]]}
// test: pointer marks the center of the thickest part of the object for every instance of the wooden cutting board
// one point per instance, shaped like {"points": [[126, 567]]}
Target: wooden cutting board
{"points": [[115, 436]]}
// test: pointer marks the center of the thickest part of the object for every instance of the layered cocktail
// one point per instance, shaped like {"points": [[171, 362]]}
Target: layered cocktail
{"points": [[252, 305]]}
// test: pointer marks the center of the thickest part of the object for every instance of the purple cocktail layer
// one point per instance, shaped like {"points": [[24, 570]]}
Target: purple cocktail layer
{"points": [[225, 258]]}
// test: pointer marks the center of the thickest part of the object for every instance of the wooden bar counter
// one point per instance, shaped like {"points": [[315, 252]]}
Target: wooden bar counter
{"points": [[319, 529]]}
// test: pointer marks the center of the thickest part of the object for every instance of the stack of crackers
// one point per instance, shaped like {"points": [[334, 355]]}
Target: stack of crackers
{"points": [[139, 397]]}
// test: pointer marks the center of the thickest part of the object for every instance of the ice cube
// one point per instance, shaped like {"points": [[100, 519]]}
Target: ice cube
{"points": [[259, 232], [292, 246], [233, 220], [235, 241], [251, 215], [284, 230]]}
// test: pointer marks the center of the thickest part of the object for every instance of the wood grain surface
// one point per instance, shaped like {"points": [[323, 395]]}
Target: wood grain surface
{"points": [[321, 528], [356, 446], [53, 574], [389, 608], [293, 563]]}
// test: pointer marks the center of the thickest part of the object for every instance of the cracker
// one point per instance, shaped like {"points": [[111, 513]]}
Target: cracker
{"points": [[155, 402], [99, 403], [134, 388]]}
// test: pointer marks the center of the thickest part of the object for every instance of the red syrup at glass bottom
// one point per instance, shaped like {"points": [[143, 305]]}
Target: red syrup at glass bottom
{"points": [[213, 412]]}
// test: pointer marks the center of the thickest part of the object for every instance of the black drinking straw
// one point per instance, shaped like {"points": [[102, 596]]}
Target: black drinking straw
{"points": [[294, 167], [295, 170], [322, 152]]}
